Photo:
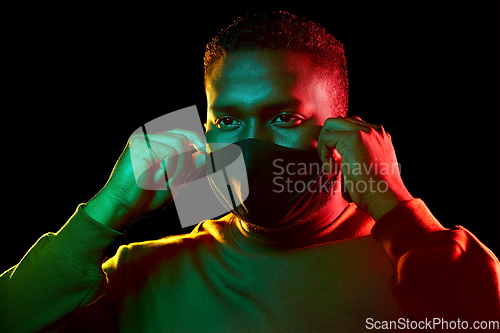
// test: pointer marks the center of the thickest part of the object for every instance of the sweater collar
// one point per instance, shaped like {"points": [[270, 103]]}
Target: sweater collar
{"points": [[351, 222]]}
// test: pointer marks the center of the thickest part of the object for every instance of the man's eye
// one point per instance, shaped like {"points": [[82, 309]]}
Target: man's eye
{"points": [[227, 123], [287, 120]]}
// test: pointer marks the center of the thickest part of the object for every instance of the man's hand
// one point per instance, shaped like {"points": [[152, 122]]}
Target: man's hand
{"points": [[365, 154], [136, 187]]}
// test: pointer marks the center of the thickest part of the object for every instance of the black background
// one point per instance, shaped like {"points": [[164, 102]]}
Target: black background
{"points": [[80, 79]]}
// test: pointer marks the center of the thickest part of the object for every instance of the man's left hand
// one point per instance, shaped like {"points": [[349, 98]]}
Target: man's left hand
{"points": [[366, 156]]}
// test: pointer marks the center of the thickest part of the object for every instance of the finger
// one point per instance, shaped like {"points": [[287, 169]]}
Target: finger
{"points": [[165, 162], [182, 159], [198, 141], [144, 158], [146, 152], [193, 162], [160, 175], [165, 157], [329, 145], [334, 125], [172, 152], [165, 154], [199, 160], [189, 139], [344, 124], [359, 121], [177, 177], [191, 173], [333, 141]]}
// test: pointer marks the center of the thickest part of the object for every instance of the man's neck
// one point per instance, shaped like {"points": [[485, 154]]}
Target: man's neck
{"points": [[309, 226]]}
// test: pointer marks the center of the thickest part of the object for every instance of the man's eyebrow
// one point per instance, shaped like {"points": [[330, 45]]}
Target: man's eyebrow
{"points": [[220, 108], [267, 107]]}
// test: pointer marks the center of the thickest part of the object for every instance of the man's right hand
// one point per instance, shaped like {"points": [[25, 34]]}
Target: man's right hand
{"points": [[136, 187]]}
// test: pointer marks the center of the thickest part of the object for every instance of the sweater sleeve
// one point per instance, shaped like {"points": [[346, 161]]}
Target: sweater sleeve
{"points": [[59, 274], [439, 273]]}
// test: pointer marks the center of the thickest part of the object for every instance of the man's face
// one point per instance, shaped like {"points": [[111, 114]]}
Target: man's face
{"points": [[267, 95]]}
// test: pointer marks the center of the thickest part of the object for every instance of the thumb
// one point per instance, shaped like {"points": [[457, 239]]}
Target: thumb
{"points": [[199, 160], [329, 144]]}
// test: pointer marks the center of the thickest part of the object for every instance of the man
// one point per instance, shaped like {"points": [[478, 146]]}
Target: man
{"points": [[299, 260]]}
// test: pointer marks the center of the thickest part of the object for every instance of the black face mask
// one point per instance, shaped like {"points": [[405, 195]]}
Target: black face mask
{"points": [[284, 184]]}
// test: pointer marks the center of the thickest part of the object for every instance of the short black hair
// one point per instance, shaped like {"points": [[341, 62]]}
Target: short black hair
{"points": [[285, 32]]}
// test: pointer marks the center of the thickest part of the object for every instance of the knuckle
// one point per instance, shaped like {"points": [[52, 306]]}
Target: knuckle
{"points": [[179, 138], [357, 135], [180, 141], [136, 137], [137, 142], [331, 120]]}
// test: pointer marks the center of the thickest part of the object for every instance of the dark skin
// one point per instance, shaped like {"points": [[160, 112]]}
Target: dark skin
{"points": [[282, 98], [276, 97], [268, 95]]}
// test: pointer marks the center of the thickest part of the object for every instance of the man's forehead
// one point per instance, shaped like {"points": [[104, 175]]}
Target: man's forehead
{"points": [[248, 77], [255, 65]]}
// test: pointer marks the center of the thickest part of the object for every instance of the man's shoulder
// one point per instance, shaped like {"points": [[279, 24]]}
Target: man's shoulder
{"points": [[168, 254], [206, 233]]}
